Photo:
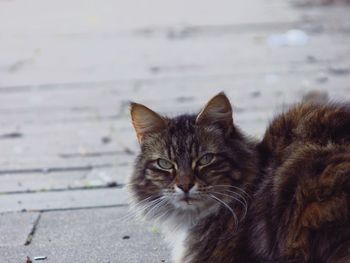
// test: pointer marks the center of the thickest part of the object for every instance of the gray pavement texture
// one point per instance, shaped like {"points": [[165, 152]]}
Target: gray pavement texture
{"points": [[68, 70], [93, 235]]}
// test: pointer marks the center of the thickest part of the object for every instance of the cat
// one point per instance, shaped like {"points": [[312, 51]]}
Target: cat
{"points": [[221, 196]]}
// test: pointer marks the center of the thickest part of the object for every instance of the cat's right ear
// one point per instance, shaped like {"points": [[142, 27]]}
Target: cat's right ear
{"points": [[145, 121], [218, 110]]}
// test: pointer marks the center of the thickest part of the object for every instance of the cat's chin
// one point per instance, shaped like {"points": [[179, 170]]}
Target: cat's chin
{"points": [[194, 207], [187, 205], [186, 215]]}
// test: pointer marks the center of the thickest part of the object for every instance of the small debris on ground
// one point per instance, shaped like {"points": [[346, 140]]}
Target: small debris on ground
{"points": [[106, 139], [256, 94], [29, 260], [293, 37], [126, 237], [112, 184], [155, 69], [40, 258], [11, 135], [184, 99], [311, 59], [128, 151], [154, 229], [339, 70]]}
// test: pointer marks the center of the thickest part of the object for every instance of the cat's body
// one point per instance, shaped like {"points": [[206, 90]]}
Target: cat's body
{"points": [[295, 184], [301, 208]]}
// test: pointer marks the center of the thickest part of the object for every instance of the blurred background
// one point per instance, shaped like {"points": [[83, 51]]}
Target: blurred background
{"points": [[68, 70]]}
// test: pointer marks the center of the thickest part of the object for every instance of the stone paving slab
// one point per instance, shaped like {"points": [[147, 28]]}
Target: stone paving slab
{"points": [[15, 228], [47, 164], [98, 235], [62, 200], [34, 182]]}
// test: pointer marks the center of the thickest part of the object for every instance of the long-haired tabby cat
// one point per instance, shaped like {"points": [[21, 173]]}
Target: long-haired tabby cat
{"points": [[221, 197]]}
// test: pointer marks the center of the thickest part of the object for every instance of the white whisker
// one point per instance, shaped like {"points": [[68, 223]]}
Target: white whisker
{"points": [[228, 207], [139, 208], [243, 203], [235, 187], [233, 192], [156, 206]]}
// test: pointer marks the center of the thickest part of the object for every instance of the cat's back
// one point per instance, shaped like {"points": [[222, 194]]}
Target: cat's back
{"points": [[302, 196], [305, 123]]}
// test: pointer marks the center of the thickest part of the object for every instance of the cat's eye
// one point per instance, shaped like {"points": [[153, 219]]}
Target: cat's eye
{"points": [[164, 164], [206, 159]]}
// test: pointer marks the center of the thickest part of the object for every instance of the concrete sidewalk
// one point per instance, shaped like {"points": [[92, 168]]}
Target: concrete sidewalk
{"points": [[68, 71]]}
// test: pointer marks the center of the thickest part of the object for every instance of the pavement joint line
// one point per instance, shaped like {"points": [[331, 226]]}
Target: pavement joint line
{"points": [[75, 208], [202, 29], [55, 169], [42, 211], [77, 119], [96, 154], [97, 187], [32, 231], [223, 28]]}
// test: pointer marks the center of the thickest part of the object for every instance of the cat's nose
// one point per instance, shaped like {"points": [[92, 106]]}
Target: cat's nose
{"points": [[185, 187]]}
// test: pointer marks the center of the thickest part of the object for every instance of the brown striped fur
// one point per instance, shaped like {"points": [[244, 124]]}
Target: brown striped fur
{"points": [[306, 185]]}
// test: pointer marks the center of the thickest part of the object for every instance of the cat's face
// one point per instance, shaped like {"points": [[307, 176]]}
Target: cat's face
{"points": [[186, 163]]}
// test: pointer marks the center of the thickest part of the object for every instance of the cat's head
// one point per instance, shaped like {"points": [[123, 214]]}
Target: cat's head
{"points": [[190, 163]]}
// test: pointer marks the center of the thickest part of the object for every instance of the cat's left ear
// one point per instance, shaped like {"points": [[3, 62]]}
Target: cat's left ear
{"points": [[217, 111], [145, 121]]}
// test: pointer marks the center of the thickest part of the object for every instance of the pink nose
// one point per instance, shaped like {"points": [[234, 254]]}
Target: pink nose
{"points": [[185, 187]]}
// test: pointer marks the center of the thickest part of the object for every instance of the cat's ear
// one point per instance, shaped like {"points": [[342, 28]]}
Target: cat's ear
{"points": [[217, 111], [145, 121]]}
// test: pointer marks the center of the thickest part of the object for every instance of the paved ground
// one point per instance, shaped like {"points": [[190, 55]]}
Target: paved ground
{"points": [[68, 70]]}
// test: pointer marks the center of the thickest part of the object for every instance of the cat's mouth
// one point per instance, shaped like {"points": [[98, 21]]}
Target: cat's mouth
{"points": [[187, 199]]}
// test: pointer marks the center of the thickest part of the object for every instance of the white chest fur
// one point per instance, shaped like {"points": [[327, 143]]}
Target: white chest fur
{"points": [[176, 230], [176, 240]]}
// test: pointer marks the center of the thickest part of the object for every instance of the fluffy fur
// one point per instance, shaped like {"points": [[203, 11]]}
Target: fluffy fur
{"points": [[222, 197]]}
